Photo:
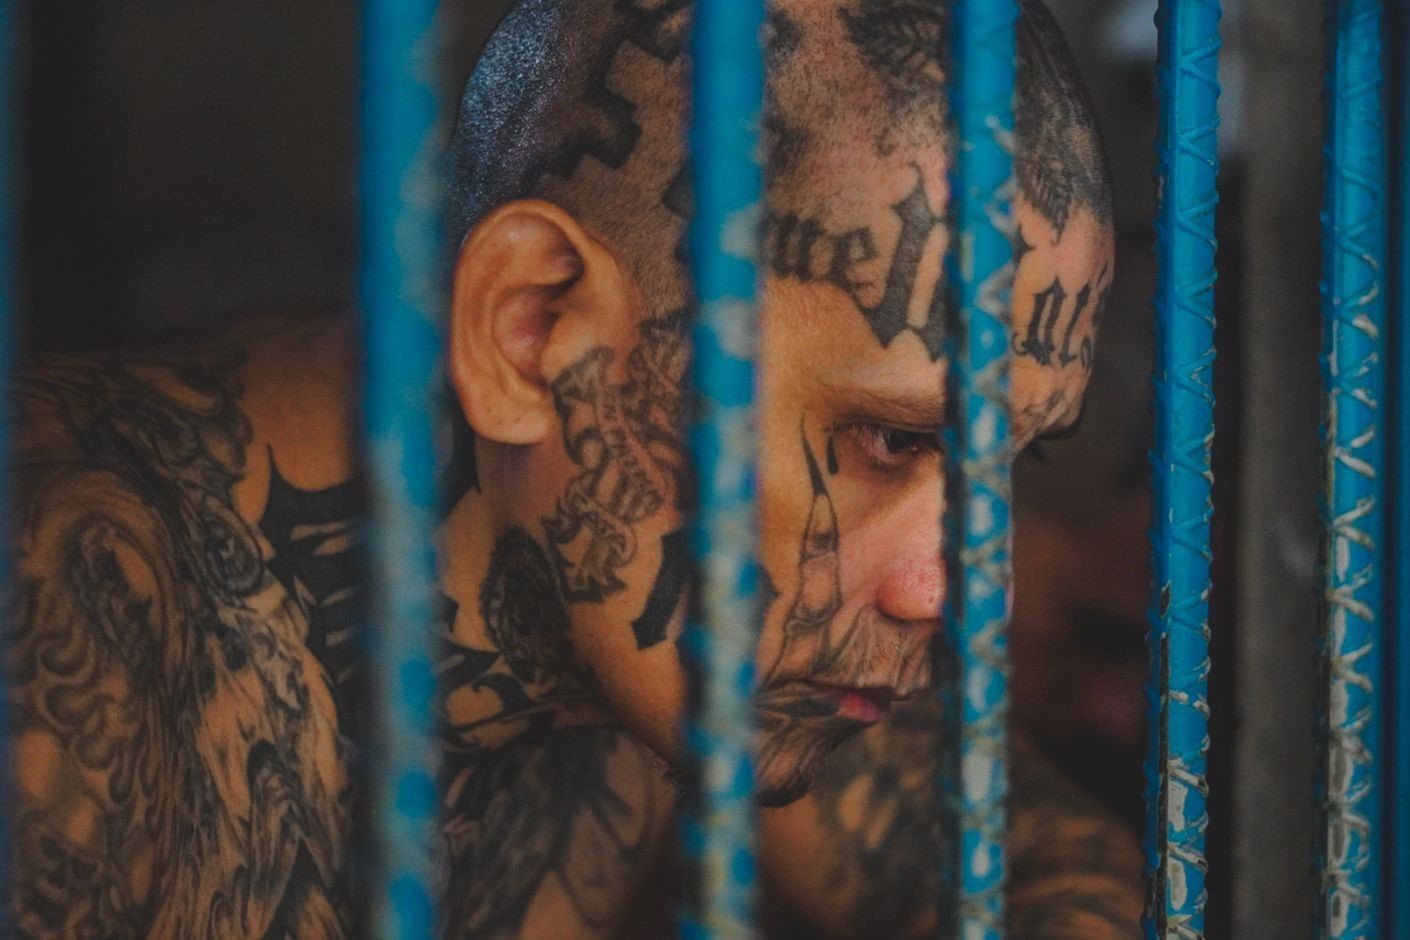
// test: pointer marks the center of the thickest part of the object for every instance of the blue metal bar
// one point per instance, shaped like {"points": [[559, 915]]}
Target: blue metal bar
{"points": [[402, 272], [980, 266], [1398, 797], [1182, 478], [729, 187], [1353, 362]]}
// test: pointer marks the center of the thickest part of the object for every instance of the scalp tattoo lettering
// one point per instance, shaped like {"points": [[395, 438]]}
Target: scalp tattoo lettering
{"points": [[1052, 314], [801, 248]]}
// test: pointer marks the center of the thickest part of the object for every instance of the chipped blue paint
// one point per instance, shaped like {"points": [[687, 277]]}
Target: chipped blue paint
{"points": [[980, 263], [728, 179], [1398, 795], [402, 274], [1353, 362], [1182, 478]]}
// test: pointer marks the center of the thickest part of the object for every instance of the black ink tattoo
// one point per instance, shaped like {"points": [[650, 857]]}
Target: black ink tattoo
{"points": [[879, 801], [1054, 324], [799, 724], [609, 131], [626, 438], [1074, 872], [1059, 163], [315, 537], [523, 614], [903, 41], [802, 249], [666, 591], [182, 772], [526, 803]]}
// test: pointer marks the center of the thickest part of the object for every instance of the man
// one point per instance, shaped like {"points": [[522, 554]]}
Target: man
{"points": [[184, 677]]}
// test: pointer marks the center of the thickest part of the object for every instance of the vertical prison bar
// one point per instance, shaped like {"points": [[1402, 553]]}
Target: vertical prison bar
{"points": [[400, 289], [980, 268], [1398, 624], [721, 634], [1182, 478], [1353, 363]]}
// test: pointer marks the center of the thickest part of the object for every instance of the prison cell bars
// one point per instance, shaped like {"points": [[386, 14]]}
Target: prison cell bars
{"points": [[401, 278], [1353, 362], [402, 266], [1182, 479], [1397, 801], [979, 263], [719, 823]]}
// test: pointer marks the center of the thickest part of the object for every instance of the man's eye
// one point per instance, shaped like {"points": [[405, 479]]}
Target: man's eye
{"points": [[891, 448]]}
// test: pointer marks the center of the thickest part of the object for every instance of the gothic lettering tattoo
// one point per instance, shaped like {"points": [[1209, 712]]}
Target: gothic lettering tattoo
{"points": [[801, 248], [1056, 317], [626, 438], [174, 729]]}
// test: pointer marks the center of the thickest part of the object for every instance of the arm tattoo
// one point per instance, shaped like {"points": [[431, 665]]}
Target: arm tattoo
{"points": [[528, 807], [174, 728], [1073, 871]]}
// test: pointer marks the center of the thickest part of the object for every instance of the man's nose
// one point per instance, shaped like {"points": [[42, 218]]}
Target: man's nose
{"points": [[912, 589]]}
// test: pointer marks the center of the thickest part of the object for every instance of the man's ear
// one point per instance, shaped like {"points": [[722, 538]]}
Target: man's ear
{"points": [[528, 277]]}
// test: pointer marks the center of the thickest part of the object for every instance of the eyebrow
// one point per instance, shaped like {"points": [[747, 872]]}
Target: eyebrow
{"points": [[905, 407]]}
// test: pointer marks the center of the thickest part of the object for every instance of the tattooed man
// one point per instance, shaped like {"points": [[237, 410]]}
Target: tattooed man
{"points": [[186, 688]]}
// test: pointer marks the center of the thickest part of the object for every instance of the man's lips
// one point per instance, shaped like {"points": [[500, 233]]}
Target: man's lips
{"points": [[864, 703]]}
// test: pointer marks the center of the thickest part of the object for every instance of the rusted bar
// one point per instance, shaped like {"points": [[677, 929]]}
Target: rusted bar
{"points": [[1182, 477], [1354, 356]]}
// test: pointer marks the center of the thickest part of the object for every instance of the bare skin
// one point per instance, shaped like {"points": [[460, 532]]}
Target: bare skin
{"points": [[186, 695]]}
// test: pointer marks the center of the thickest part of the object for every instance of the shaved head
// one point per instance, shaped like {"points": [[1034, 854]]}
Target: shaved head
{"points": [[571, 176], [584, 104]]}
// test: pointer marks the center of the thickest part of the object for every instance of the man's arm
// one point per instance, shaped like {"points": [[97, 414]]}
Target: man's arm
{"points": [[861, 855], [90, 587]]}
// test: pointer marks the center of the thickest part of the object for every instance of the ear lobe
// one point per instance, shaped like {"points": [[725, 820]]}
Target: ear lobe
{"points": [[523, 271]]}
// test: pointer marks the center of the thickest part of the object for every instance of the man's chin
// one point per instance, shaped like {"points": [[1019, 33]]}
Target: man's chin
{"points": [[785, 775]]}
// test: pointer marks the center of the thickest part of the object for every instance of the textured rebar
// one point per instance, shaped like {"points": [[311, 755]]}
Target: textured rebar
{"points": [[1182, 479], [1398, 797], [402, 274], [721, 634], [1353, 363], [980, 268]]}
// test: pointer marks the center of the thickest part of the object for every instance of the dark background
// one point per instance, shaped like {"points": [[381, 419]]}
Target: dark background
{"points": [[190, 162]]}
